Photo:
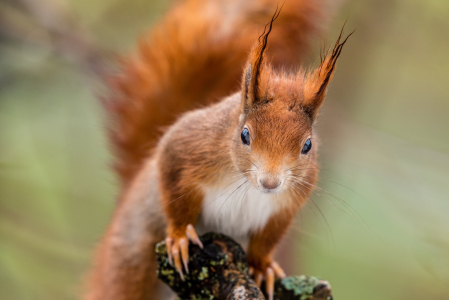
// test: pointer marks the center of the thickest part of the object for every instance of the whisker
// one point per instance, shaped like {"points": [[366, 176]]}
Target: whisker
{"points": [[230, 196], [322, 215], [351, 209], [333, 204], [342, 185], [353, 213], [245, 192], [307, 233], [224, 192], [251, 163]]}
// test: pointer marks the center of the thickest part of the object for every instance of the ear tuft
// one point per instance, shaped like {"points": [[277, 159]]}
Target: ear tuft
{"points": [[255, 66], [316, 83]]}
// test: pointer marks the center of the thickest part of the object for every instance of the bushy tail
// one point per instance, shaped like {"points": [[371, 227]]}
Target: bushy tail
{"points": [[193, 57]]}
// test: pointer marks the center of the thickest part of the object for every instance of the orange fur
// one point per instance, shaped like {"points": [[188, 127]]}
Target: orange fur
{"points": [[192, 58]]}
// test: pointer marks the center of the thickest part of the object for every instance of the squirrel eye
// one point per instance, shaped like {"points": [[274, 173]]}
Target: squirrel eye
{"points": [[307, 146], [245, 136]]}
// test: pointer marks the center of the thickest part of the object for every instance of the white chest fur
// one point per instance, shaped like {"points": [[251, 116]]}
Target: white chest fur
{"points": [[236, 209]]}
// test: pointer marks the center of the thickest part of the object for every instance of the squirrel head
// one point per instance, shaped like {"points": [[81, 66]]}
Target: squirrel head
{"points": [[275, 145]]}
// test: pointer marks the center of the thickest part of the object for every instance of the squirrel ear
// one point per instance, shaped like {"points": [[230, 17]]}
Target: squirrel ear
{"points": [[247, 97], [315, 85], [255, 66]]}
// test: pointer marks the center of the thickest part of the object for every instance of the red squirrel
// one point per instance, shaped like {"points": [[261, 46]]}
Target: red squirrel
{"points": [[242, 166]]}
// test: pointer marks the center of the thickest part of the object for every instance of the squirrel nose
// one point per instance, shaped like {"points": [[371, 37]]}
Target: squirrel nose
{"points": [[270, 183]]}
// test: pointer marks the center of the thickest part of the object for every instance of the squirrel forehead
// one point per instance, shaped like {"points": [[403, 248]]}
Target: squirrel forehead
{"points": [[282, 100], [286, 90], [272, 123], [273, 116], [278, 137]]}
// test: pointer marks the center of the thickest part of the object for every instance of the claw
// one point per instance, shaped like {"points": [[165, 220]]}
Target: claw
{"points": [[178, 264], [258, 279], [178, 248], [270, 273], [193, 236], [278, 270], [184, 245], [168, 244], [269, 283], [251, 271]]}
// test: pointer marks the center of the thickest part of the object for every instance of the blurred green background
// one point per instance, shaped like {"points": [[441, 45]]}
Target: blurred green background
{"points": [[384, 149]]}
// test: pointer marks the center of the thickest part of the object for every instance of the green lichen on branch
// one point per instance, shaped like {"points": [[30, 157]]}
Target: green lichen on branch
{"points": [[220, 271], [301, 288]]}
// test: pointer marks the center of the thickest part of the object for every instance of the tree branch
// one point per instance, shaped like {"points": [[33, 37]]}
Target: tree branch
{"points": [[220, 271]]}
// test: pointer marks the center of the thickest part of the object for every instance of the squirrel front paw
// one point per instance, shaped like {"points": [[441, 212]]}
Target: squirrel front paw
{"points": [[269, 272], [178, 248]]}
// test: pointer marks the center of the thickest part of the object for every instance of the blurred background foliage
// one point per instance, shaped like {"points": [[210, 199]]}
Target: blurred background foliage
{"points": [[378, 227]]}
